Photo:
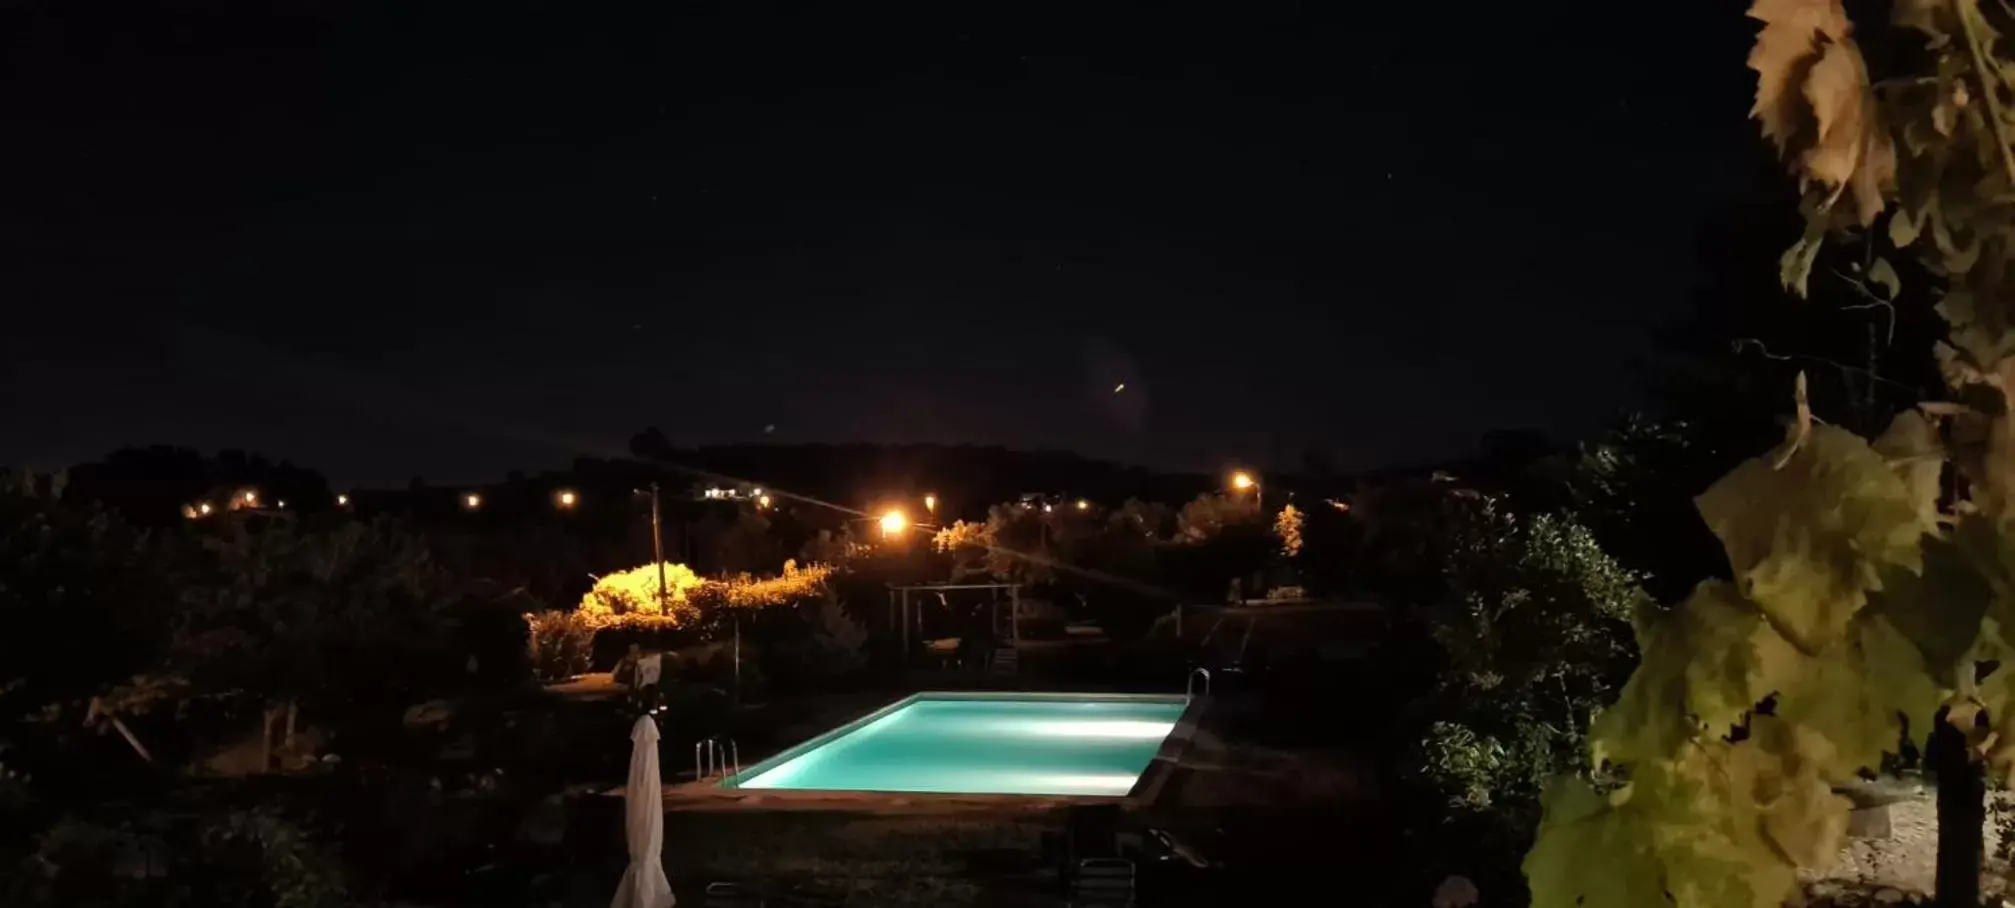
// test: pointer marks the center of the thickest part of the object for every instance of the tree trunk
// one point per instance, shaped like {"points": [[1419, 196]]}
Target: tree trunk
{"points": [[267, 721], [1962, 810], [287, 743]]}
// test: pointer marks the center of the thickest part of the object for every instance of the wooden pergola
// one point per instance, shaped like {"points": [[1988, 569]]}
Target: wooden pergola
{"points": [[899, 600]]}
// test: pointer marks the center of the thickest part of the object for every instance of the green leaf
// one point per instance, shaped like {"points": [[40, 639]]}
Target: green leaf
{"points": [[1938, 609], [1910, 447], [1807, 539], [1775, 778], [1580, 822], [1704, 666], [1847, 701], [1905, 227], [1884, 274], [1794, 267]]}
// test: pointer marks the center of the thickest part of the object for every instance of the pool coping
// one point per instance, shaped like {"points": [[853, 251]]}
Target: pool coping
{"points": [[1152, 778]]}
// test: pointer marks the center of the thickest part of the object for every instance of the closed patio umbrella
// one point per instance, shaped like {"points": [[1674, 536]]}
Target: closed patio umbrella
{"points": [[644, 884]]}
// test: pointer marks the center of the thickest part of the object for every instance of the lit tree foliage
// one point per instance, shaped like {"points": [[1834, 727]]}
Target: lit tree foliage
{"points": [[639, 591], [1287, 526], [630, 598], [1859, 607]]}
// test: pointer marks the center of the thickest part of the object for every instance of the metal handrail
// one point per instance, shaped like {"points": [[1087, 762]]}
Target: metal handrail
{"points": [[711, 759], [1189, 686]]}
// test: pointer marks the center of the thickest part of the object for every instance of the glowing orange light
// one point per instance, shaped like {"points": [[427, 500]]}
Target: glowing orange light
{"points": [[1083, 505], [894, 523], [1242, 480], [472, 501], [566, 498]]}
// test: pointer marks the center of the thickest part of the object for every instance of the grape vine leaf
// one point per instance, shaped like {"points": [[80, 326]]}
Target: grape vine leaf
{"points": [[1807, 529], [1938, 609], [1810, 71], [1850, 703], [1713, 658], [1779, 773], [1905, 227], [1785, 51], [1922, 15], [1703, 811], [1884, 275], [1794, 267], [1579, 822], [1910, 447]]}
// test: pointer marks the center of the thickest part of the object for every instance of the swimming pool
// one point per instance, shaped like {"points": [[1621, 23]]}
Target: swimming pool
{"points": [[1023, 744]]}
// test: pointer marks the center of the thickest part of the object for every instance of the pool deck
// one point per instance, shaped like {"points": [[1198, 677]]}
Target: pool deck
{"points": [[711, 794]]}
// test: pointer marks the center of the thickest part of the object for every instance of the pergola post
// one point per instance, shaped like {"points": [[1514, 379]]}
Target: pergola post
{"points": [[906, 623], [1014, 615]]}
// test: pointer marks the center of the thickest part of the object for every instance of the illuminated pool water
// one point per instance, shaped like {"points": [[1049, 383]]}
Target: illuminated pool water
{"points": [[1047, 744]]}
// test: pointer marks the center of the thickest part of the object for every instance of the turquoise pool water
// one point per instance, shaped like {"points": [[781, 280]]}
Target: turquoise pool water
{"points": [[1047, 746]]}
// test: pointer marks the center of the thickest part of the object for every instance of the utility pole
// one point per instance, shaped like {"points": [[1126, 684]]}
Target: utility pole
{"points": [[658, 550]]}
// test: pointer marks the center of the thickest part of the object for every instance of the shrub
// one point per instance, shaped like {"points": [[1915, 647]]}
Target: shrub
{"points": [[1535, 636], [636, 592], [562, 644]]}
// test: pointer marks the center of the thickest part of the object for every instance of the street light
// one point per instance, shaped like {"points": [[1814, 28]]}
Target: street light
{"points": [[893, 523], [472, 501], [566, 499], [281, 504], [1242, 480], [342, 501], [1083, 505], [763, 501], [251, 498], [204, 509], [931, 503]]}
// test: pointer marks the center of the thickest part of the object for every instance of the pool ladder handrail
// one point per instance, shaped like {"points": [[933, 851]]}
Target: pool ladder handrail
{"points": [[1189, 685], [708, 759]]}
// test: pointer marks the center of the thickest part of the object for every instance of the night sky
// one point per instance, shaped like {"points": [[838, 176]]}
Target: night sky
{"points": [[390, 239]]}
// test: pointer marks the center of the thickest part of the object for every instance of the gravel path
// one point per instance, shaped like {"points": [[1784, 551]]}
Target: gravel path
{"points": [[1905, 861]]}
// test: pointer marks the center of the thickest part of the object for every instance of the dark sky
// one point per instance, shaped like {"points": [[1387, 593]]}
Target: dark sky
{"points": [[399, 238]]}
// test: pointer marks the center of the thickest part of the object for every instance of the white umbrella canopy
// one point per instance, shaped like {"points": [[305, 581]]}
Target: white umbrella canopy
{"points": [[644, 884]]}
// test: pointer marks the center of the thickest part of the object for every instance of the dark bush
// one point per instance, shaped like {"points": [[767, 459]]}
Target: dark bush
{"points": [[562, 645]]}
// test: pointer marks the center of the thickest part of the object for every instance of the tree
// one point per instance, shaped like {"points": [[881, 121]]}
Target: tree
{"points": [[747, 547], [1534, 630], [355, 614], [1871, 606], [87, 602]]}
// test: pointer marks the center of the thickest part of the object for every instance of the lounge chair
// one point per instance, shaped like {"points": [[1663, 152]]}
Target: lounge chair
{"points": [[1095, 871]]}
